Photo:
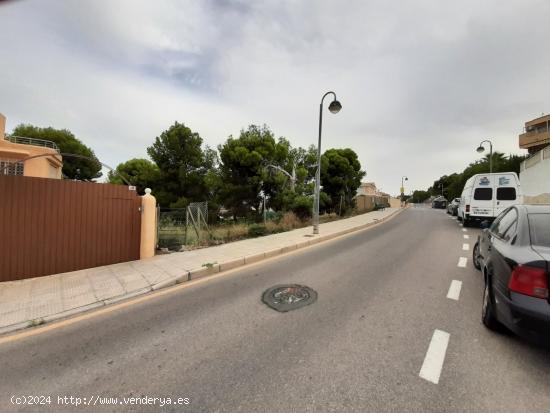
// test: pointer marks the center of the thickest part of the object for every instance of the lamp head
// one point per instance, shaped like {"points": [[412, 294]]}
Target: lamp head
{"points": [[335, 106], [480, 149]]}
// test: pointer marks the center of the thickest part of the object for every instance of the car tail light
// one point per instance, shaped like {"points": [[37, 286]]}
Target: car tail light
{"points": [[529, 281], [467, 208]]}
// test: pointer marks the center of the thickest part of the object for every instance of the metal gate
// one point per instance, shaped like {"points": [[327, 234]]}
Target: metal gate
{"points": [[50, 226], [181, 226]]}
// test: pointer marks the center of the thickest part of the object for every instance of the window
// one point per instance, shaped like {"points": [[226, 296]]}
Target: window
{"points": [[483, 194], [506, 225], [11, 167], [539, 229], [506, 194]]}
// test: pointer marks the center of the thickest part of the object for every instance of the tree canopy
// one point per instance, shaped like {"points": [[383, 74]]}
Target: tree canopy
{"points": [[253, 165], [139, 172], [452, 185], [183, 165], [341, 175], [73, 168], [245, 170]]}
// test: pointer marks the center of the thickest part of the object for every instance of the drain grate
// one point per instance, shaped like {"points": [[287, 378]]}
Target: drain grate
{"points": [[289, 297]]}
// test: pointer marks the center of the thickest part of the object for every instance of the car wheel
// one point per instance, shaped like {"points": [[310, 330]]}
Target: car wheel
{"points": [[465, 222], [475, 257], [487, 310]]}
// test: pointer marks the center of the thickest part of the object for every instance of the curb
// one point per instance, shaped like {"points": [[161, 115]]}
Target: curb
{"points": [[197, 273]]}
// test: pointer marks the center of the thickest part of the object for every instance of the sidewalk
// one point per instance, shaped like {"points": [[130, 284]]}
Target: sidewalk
{"points": [[43, 299]]}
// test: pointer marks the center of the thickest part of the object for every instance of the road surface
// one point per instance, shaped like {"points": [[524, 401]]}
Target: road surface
{"points": [[382, 336]]}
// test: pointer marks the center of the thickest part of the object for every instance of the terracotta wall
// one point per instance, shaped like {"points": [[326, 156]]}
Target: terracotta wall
{"points": [[44, 167]]}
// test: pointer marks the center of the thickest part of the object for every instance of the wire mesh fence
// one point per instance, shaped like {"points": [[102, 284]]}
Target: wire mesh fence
{"points": [[182, 226]]}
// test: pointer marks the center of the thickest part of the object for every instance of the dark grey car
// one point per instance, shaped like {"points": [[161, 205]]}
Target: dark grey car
{"points": [[452, 207], [514, 256]]}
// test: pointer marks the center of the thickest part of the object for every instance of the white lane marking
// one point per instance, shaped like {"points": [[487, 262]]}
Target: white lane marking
{"points": [[466, 236], [433, 362], [454, 290], [462, 262], [464, 229], [465, 247]]}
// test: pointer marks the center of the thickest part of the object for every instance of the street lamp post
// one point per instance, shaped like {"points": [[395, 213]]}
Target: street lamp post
{"points": [[403, 189], [292, 176], [334, 107], [480, 149]]}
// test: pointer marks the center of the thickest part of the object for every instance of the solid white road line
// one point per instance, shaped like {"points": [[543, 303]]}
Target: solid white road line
{"points": [[466, 236], [454, 290], [433, 362], [462, 262], [464, 229], [465, 247]]}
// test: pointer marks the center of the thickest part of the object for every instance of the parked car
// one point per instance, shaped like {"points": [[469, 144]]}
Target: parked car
{"points": [[439, 202], [514, 257], [486, 195], [452, 208]]}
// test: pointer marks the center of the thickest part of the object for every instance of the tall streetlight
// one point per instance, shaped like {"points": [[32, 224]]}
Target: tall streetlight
{"points": [[480, 149], [403, 189], [334, 107]]}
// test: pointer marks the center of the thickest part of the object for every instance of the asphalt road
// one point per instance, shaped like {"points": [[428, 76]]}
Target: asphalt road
{"points": [[382, 293]]}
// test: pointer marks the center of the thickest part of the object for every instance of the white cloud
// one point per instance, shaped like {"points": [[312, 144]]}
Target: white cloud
{"points": [[421, 82]]}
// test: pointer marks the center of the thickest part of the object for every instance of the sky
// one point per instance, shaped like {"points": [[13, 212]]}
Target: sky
{"points": [[421, 82]]}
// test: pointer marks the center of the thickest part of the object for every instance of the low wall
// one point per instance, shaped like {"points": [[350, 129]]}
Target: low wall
{"points": [[535, 175], [395, 203], [539, 199], [366, 203]]}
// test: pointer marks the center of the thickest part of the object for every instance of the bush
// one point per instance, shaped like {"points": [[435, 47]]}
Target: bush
{"points": [[257, 230], [302, 206], [273, 227]]}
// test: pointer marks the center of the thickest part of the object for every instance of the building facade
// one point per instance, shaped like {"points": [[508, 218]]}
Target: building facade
{"points": [[536, 135], [26, 156], [535, 170]]}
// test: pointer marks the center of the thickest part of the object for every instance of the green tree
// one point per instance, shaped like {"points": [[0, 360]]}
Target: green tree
{"points": [[420, 196], [341, 175], [139, 172], [454, 183], [183, 166], [245, 173], [73, 168]]}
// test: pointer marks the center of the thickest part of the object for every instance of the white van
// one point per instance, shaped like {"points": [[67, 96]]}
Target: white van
{"points": [[486, 195]]}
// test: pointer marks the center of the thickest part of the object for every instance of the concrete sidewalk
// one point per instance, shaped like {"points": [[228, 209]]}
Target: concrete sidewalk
{"points": [[37, 300]]}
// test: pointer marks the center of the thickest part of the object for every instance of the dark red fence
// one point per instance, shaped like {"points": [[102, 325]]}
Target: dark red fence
{"points": [[49, 226]]}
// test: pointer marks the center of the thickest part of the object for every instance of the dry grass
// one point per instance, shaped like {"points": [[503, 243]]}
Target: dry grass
{"points": [[229, 233], [221, 234], [290, 221]]}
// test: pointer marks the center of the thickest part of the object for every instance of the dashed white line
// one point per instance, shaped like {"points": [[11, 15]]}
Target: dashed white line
{"points": [[466, 236], [454, 290], [462, 262], [433, 362], [464, 229], [465, 247]]}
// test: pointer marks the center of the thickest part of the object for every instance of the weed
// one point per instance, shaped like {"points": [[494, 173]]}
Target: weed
{"points": [[36, 322]]}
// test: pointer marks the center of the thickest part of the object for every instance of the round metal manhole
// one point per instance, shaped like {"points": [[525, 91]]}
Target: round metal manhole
{"points": [[289, 297]]}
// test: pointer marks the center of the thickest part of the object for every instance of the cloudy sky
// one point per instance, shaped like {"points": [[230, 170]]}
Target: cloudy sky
{"points": [[421, 82]]}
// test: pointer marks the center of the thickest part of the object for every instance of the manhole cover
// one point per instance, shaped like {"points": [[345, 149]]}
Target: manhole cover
{"points": [[288, 297]]}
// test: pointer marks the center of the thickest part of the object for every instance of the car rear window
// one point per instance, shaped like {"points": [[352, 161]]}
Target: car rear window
{"points": [[539, 229], [483, 194], [506, 194]]}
